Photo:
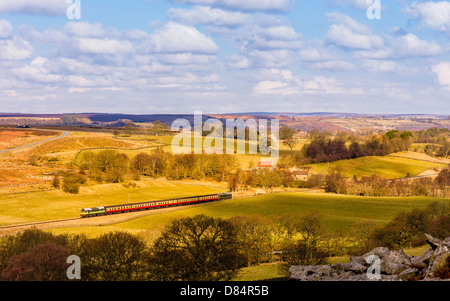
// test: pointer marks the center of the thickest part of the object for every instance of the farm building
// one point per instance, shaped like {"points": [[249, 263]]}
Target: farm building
{"points": [[301, 173], [264, 164]]}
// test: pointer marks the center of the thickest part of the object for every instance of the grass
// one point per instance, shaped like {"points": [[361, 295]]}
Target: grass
{"points": [[339, 212], [262, 272], [52, 205], [386, 167]]}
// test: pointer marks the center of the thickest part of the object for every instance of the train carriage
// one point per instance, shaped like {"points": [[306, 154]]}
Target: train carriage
{"points": [[115, 209]]}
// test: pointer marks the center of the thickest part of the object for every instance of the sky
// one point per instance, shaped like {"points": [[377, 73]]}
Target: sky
{"points": [[225, 56]]}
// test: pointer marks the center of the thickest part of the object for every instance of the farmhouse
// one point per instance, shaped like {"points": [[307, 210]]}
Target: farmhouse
{"points": [[264, 164], [301, 173]]}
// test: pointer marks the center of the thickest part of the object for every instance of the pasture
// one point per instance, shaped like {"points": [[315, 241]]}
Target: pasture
{"points": [[339, 212]]}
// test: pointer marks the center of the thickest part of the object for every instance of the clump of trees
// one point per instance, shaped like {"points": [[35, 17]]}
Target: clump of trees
{"points": [[72, 182], [264, 178], [324, 149], [407, 229], [111, 166], [198, 248], [35, 255]]}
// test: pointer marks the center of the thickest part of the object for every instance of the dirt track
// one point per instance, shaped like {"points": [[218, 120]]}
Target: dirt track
{"points": [[64, 134]]}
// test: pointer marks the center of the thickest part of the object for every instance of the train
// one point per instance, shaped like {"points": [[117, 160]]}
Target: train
{"points": [[133, 207]]}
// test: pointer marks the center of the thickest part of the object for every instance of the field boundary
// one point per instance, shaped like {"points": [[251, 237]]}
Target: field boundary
{"points": [[431, 161]]}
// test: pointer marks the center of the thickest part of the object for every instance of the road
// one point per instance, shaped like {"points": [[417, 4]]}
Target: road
{"points": [[64, 134]]}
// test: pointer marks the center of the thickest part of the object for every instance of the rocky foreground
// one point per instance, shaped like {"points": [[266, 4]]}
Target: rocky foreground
{"points": [[381, 264]]}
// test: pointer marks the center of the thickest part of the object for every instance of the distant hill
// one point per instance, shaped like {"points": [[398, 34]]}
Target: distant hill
{"points": [[299, 121]]}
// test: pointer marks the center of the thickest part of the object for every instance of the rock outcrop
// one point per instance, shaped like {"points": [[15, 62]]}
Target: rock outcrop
{"points": [[381, 264]]}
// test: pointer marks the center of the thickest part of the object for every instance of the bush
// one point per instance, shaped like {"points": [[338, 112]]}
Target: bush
{"points": [[56, 182], [407, 229], [114, 257], [45, 262], [72, 183], [303, 253]]}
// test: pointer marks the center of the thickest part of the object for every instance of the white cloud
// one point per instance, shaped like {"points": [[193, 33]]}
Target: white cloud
{"points": [[208, 15], [360, 4], [435, 15], [405, 46], [273, 38], [283, 82], [12, 48], [349, 33], [278, 58], [6, 30], [174, 37], [317, 56], [238, 62], [387, 66], [34, 7], [443, 72], [410, 45], [248, 5], [316, 53], [285, 33], [15, 49], [352, 24], [40, 70], [104, 46], [85, 29], [187, 58], [337, 65], [342, 36]]}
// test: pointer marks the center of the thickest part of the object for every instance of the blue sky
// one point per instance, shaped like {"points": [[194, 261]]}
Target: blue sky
{"points": [[222, 56]]}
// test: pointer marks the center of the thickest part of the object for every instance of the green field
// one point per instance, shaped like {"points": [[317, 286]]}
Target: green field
{"points": [[386, 167], [339, 212], [53, 205]]}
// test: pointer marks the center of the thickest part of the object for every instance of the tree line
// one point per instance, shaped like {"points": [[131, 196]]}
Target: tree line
{"points": [[324, 149], [112, 166], [198, 248]]}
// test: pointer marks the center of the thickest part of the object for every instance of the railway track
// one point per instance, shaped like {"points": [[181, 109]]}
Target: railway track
{"points": [[96, 221], [28, 225]]}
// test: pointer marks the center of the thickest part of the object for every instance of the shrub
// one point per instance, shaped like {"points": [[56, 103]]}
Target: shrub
{"points": [[114, 257], [56, 182], [303, 253], [45, 262], [72, 182]]}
